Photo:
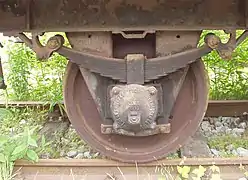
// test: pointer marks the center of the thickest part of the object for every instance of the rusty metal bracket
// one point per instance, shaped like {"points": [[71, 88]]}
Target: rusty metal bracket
{"points": [[225, 50], [172, 85], [42, 52], [159, 129], [135, 68]]}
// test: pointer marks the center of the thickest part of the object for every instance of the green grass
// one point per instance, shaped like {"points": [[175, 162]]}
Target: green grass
{"points": [[228, 79]]}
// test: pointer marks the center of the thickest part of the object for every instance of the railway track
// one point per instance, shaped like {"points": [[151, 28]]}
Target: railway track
{"points": [[96, 169], [101, 169], [215, 108]]}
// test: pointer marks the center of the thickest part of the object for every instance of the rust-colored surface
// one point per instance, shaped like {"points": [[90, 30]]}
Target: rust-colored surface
{"points": [[13, 14], [88, 15], [187, 115], [106, 170], [227, 108], [87, 116]]}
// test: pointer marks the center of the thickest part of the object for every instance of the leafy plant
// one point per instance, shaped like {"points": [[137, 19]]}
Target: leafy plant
{"points": [[16, 147], [30, 79], [194, 173], [184, 171], [19, 57], [228, 79], [221, 142]]}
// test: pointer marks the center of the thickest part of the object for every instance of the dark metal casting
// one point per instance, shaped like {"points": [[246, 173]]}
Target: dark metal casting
{"points": [[134, 110]]}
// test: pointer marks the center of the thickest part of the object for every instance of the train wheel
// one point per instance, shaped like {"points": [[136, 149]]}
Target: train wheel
{"points": [[187, 114]]}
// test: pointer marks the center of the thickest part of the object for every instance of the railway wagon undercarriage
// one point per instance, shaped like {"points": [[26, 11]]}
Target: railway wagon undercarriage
{"points": [[135, 86]]}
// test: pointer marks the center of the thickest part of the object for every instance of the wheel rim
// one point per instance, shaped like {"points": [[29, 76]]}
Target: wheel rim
{"points": [[187, 114]]}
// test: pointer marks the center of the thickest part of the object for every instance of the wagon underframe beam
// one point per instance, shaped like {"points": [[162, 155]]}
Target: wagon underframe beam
{"points": [[118, 15]]}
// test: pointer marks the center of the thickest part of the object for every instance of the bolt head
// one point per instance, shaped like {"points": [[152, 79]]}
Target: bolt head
{"points": [[152, 90], [55, 42], [226, 54], [213, 42], [116, 90], [52, 44], [108, 130]]}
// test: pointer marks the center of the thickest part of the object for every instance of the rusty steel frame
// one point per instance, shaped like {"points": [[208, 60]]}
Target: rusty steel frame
{"points": [[120, 15]]}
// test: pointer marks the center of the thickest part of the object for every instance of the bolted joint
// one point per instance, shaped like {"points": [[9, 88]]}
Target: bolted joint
{"points": [[152, 90], [212, 40], [55, 42], [226, 53], [115, 91]]}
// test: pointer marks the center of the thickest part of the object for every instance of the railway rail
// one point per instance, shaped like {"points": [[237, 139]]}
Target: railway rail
{"points": [[102, 169], [215, 107], [96, 169]]}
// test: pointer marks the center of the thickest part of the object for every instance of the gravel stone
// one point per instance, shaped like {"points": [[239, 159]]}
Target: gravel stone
{"points": [[80, 156], [242, 125], [242, 152], [96, 154], [235, 122], [208, 134], [72, 154], [221, 129], [23, 122], [228, 131], [218, 124], [215, 152], [62, 154], [230, 147], [211, 121], [226, 120], [196, 147], [226, 124], [45, 156], [243, 178], [212, 127], [219, 118], [234, 152], [214, 132], [238, 131], [87, 154], [205, 126]]}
